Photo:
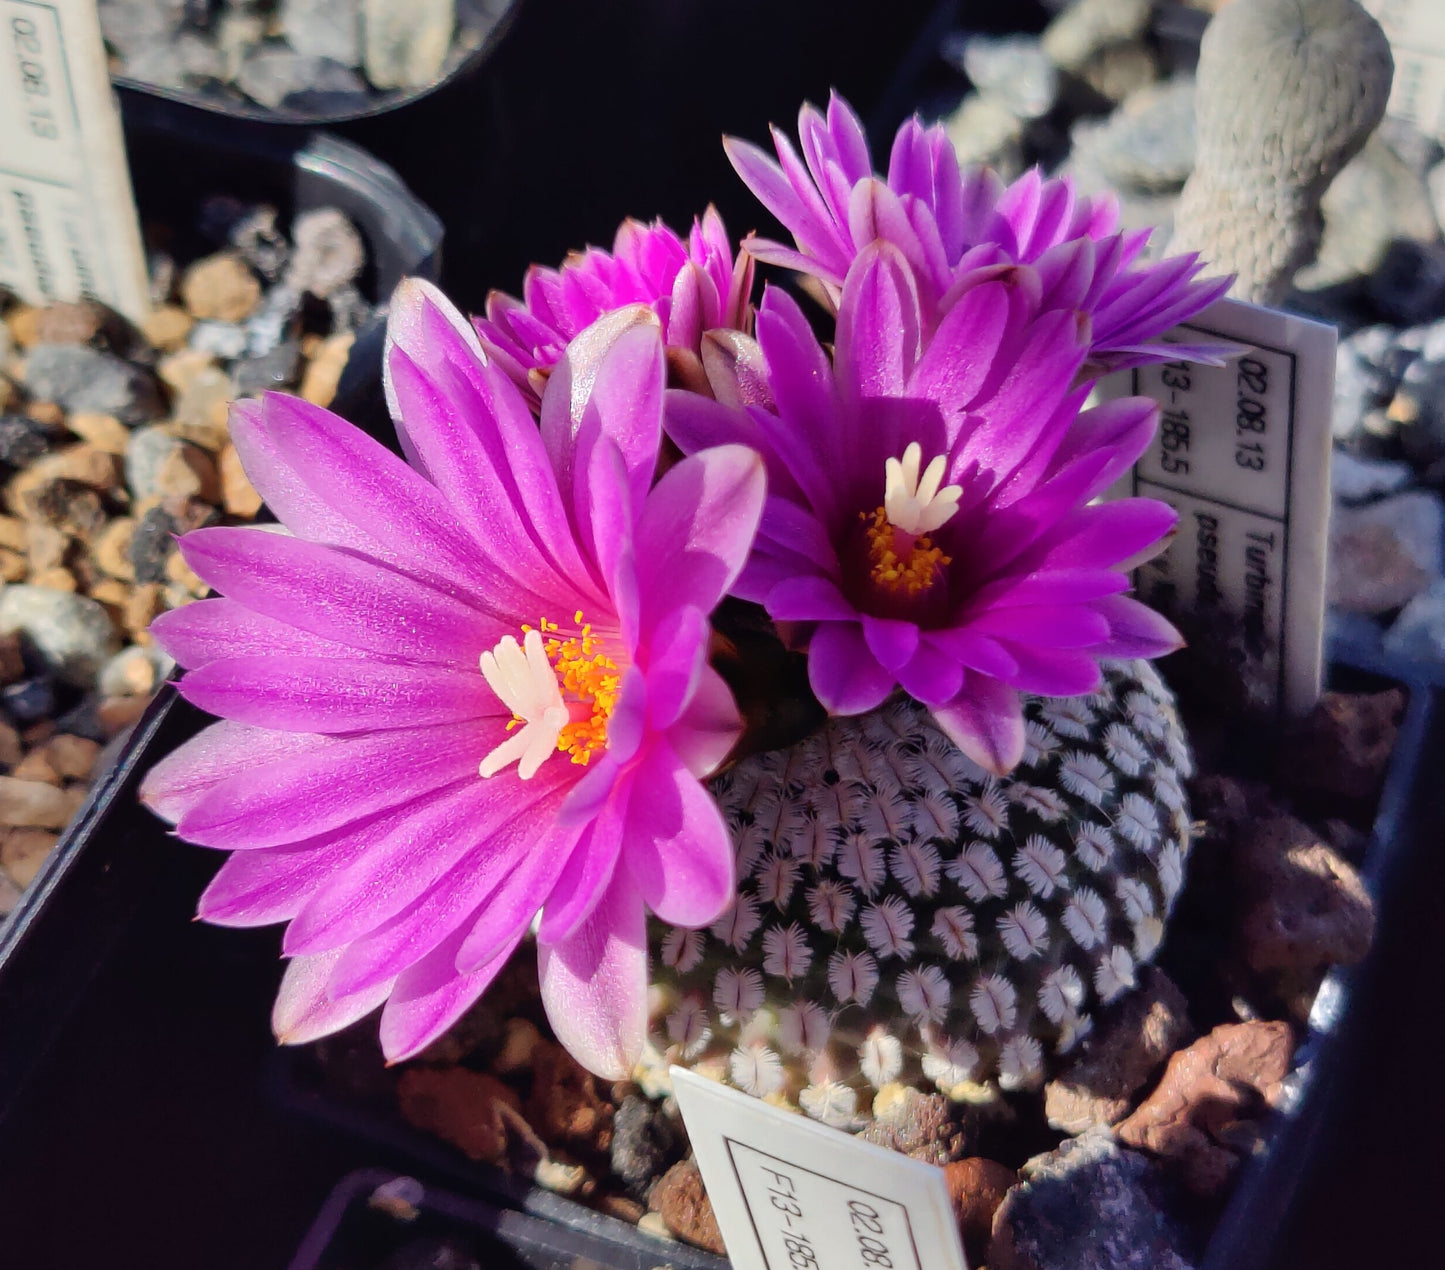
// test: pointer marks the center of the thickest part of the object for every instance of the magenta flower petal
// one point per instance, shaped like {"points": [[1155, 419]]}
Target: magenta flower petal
{"points": [[1135, 630], [692, 287], [986, 722], [441, 688], [323, 788], [594, 984], [210, 629], [304, 1012], [341, 596], [809, 598], [428, 997], [272, 884], [181, 780], [695, 530], [327, 694], [835, 208], [679, 851], [843, 671], [589, 868], [708, 729]]}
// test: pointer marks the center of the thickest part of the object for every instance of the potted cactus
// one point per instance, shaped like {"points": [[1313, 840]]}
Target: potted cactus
{"points": [[471, 700]]}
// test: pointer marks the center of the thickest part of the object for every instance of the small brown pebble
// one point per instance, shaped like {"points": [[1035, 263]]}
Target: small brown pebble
{"points": [[23, 851], [65, 323], [166, 326], [201, 408], [519, 1047], [11, 751], [1342, 749], [47, 547], [976, 1188], [460, 1106], [188, 472], [36, 766], [142, 607], [23, 321], [14, 533], [104, 432], [1305, 906], [112, 593], [623, 1207], [179, 572], [57, 579], [75, 795], [118, 713], [220, 287], [180, 370], [323, 372], [112, 549], [45, 412], [565, 1106], [238, 495], [38, 733], [1131, 1040], [12, 660], [13, 566], [1231, 1075], [31, 804], [72, 756], [680, 1200]]}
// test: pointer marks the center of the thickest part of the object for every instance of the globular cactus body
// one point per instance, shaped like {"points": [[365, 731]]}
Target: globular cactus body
{"points": [[903, 916]]}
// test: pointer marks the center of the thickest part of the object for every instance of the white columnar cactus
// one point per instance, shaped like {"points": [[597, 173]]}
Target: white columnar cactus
{"points": [[1287, 93]]}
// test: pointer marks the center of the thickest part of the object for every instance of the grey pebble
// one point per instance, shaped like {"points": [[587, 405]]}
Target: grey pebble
{"points": [[1357, 480], [1147, 144], [1419, 631], [404, 46], [78, 378], [145, 456], [324, 28], [273, 76], [1012, 69], [22, 440], [73, 634], [226, 340], [327, 252], [1088, 1206]]}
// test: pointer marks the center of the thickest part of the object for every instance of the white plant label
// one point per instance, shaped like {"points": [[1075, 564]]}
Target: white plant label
{"points": [[1243, 455], [792, 1194], [1416, 31], [68, 227]]}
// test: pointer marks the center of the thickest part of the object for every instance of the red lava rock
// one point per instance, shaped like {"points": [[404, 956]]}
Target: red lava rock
{"points": [[927, 1127], [466, 1108], [680, 1200], [1305, 905], [976, 1188], [1130, 1042], [1344, 746], [1231, 1076]]}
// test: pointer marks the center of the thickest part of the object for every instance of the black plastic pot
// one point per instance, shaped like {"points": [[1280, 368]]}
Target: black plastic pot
{"points": [[481, 24], [379, 1219], [68, 917]]}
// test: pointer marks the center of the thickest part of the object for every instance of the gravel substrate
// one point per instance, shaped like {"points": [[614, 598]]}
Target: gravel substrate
{"points": [[112, 441]]}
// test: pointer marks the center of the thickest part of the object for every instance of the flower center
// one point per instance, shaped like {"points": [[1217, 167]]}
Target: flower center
{"points": [[900, 561], [561, 688], [902, 557]]}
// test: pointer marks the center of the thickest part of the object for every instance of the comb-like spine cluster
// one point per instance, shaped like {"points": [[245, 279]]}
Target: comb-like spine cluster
{"points": [[902, 915]]}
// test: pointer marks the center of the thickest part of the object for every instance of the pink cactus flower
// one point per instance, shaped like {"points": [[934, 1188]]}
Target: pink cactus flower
{"points": [[959, 228], [467, 694], [694, 287], [928, 524]]}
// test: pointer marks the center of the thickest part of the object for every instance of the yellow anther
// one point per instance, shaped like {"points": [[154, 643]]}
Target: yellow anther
{"points": [[911, 572]]}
